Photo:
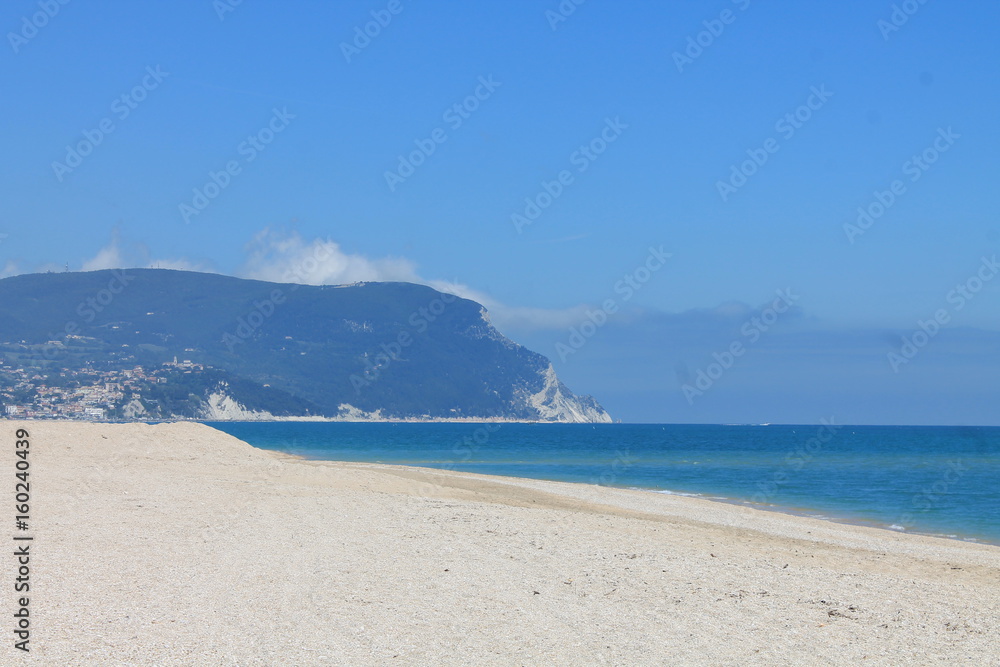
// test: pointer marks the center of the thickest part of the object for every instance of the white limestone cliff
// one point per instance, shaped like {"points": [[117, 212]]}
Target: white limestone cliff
{"points": [[554, 402]]}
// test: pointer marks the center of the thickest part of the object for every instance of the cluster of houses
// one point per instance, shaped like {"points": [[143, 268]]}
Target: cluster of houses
{"points": [[79, 394]]}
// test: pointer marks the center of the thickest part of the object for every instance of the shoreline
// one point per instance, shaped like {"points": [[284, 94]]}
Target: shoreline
{"points": [[807, 512], [464, 420], [817, 514], [179, 544]]}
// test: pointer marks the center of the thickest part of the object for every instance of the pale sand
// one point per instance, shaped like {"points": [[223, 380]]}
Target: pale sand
{"points": [[179, 545]]}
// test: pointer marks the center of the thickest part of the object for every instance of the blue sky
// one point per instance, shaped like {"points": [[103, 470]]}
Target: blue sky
{"points": [[330, 121]]}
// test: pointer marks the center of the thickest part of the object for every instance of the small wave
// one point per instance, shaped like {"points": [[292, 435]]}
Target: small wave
{"points": [[896, 526], [667, 492]]}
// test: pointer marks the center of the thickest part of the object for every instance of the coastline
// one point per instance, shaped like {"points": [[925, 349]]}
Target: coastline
{"points": [[304, 419], [176, 543], [817, 507], [823, 515]]}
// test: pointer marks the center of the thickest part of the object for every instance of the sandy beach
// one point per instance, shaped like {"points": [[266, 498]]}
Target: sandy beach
{"points": [[176, 544]]}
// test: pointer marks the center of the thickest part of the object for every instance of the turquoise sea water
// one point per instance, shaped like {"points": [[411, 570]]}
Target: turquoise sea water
{"points": [[934, 480]]}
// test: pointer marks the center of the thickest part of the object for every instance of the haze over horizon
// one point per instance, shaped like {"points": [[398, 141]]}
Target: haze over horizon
{"points": [[734, 212]]}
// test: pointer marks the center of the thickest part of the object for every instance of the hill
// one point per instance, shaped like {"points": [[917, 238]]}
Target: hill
{"points": [[169, 343]]}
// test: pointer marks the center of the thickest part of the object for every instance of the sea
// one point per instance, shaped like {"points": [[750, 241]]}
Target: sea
{"points": [[934, 480]]}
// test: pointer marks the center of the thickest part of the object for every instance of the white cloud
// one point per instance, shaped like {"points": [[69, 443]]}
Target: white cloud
{"points": [[108, 257], [514, 317], [112, 256], [288, 258], [9, 269]]}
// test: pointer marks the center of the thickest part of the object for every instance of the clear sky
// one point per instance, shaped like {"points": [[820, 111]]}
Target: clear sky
{"points": [[738, 137]]}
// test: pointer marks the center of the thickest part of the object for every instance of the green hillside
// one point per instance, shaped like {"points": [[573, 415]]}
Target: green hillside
{"points": [[405, 349]]}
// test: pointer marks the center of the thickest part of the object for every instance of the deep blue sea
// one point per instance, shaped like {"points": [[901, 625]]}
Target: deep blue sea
{"points": [[932, 480]]}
